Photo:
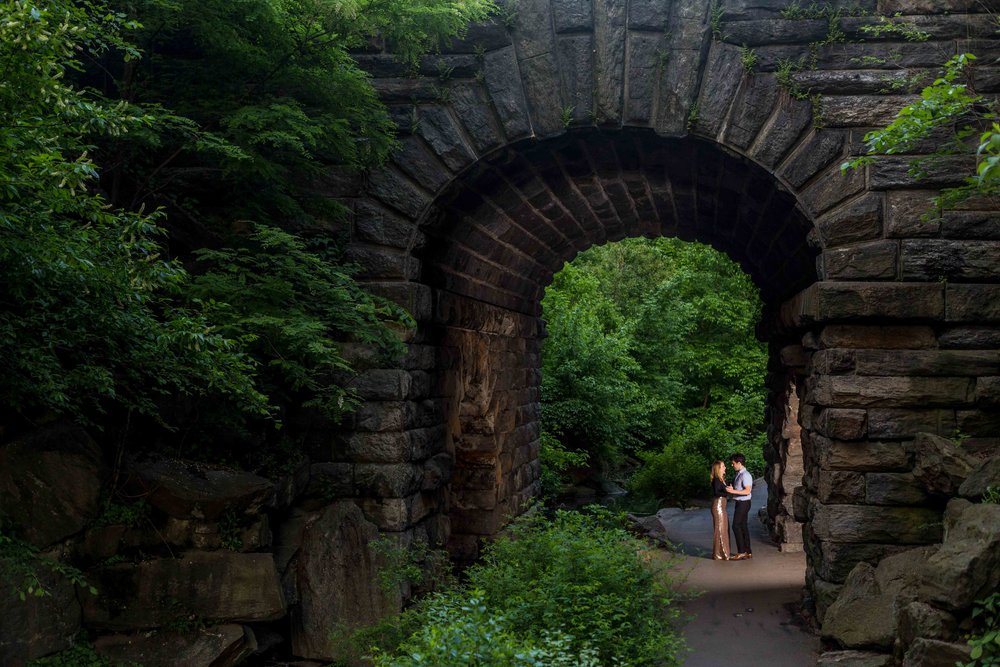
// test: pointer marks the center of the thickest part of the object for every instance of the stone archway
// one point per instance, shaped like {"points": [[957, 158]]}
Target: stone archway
{"points": [[591, 120]]}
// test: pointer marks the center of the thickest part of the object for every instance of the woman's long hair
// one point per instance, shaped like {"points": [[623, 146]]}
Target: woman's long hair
{"points": [[719, 471]]}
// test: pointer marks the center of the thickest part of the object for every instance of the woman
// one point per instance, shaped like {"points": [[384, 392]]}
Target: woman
{"points": [[720, 520]]}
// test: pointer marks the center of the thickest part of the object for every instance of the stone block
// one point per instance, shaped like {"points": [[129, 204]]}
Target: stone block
{"points": [[842, 424], [812, 156], [752, 107], [862, 616], [678, 86], [218, 586], [779, 135], [540, 78], [861, 110], [970, 338], [877, 525], [886, 488], [841, 487], [973, 303], [826, 301], [919, 619], [970, 225], [911, 214], [398, 192], [718, 88], [933, 259], [893, 424], [932, 653], [383, 384], [860, 336], [218, 646], [893, 173], [834, 560], [874, 260], [939, 464], [376, 225], [985, 475], [382, 262], [388, 480], [857, 220], [575, 54], [572, 15], [643, 71], [609, 58], [392, 447], [775, 31], [967, 566], [504, 87], [914, 363], [435, 125], [50, 483], [874, 392]]}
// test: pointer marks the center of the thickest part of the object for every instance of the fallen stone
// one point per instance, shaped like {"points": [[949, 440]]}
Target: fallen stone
{"points": [[934, 653], [189, 490], [981, 478], [50, 483], [650, 527], [861, 616], [919, 619], [209, 586], [37, 626], [967, 566], [217, 646], [939, 465]]}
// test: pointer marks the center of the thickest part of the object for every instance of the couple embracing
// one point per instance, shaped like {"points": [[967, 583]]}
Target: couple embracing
{"points": [[740, 490]]}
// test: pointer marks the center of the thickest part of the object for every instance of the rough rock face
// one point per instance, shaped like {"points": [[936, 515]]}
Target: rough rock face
{"points": [[214, 586], [853, 659], [39, 625], [216, 646], [967, 566], [50, 483], [983, 476], [934, 653], [939, 464], [185, 490], [335, 572]]}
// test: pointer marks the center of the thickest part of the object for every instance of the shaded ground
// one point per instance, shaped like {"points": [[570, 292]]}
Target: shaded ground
{"points": [[742, 616]]}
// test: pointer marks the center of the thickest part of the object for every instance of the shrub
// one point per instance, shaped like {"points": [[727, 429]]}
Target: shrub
{"points": [[673, 475]]}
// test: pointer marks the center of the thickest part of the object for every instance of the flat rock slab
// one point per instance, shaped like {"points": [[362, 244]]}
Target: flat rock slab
{"points": [[218, 646]]}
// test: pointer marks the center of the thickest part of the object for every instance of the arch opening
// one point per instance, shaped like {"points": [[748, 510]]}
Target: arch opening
{"points": [[503, 228]]}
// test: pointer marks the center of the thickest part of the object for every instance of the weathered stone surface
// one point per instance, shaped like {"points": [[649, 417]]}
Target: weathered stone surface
{"points": [[861, 111], [812, 156], [504, 87], [472, 110], [835, 560], [967, 566], [970, 225], [779, 135], [775, 31], [893, 172], [932, 259], [572, 15], [940, 466], [718, 88], [873, 391], [973, 303], [893, 489], [919, 619], [214, 586], [827, 301], [932, 653], [843, 424], [609, 58], [906, 214], [435, 125], [37, 626], [643, 68], [336, 572], [216, 646], [970, 338], [854, 659], [540, 77], [926, 363], [184, 489], [865, 456], [50, 483], [878, 337], [841, 487], [894, 424], [862, 616], [751, 108], [388, 480], [857, 220], [874, 524], [575, 55], [398, 192], [980, 478], [874, 260]]}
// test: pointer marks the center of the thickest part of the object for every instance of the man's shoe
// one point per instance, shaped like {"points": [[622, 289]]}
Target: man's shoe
{"points": [[748, 555], [739, 557]]}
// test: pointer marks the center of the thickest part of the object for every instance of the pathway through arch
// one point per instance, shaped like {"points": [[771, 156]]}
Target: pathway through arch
{"points": [[742, 616]]}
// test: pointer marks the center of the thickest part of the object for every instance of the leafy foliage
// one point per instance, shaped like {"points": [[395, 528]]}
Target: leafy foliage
{"points": [[22, 568], [571, 590], [80, 655], [986, 642], [944, 122], [88, 316], [651, 352]]}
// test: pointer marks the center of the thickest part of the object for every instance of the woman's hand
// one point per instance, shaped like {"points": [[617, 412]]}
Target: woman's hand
{"points": [[730, 489]]}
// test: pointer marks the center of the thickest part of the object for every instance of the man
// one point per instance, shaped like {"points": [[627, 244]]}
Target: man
{"points": [[741, 488]]}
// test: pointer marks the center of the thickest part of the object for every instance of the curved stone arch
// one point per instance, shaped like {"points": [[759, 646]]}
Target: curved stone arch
{"points": [[888, 348]]}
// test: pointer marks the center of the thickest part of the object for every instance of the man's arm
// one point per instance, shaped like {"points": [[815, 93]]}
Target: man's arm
{"points": [[741, 492]]}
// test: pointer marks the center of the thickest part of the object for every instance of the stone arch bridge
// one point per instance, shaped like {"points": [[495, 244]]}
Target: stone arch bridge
{"points": [[577, 122]]}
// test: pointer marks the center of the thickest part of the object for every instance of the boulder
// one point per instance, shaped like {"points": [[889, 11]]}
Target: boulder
{"points": [[967, 566], [983, 476], [854, 659], [50, 483], [934, 653], [940, 465], [216, 646], [216, 586], [920, 619], [650, 527], [37, 626], [336, 576], [190, 490]]}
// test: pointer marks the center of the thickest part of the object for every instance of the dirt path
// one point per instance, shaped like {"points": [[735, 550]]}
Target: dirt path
{"points": [[741, 617]]}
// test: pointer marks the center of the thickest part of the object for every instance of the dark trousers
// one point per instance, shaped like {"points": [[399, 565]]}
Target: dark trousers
{"points": [[740, 530]]}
